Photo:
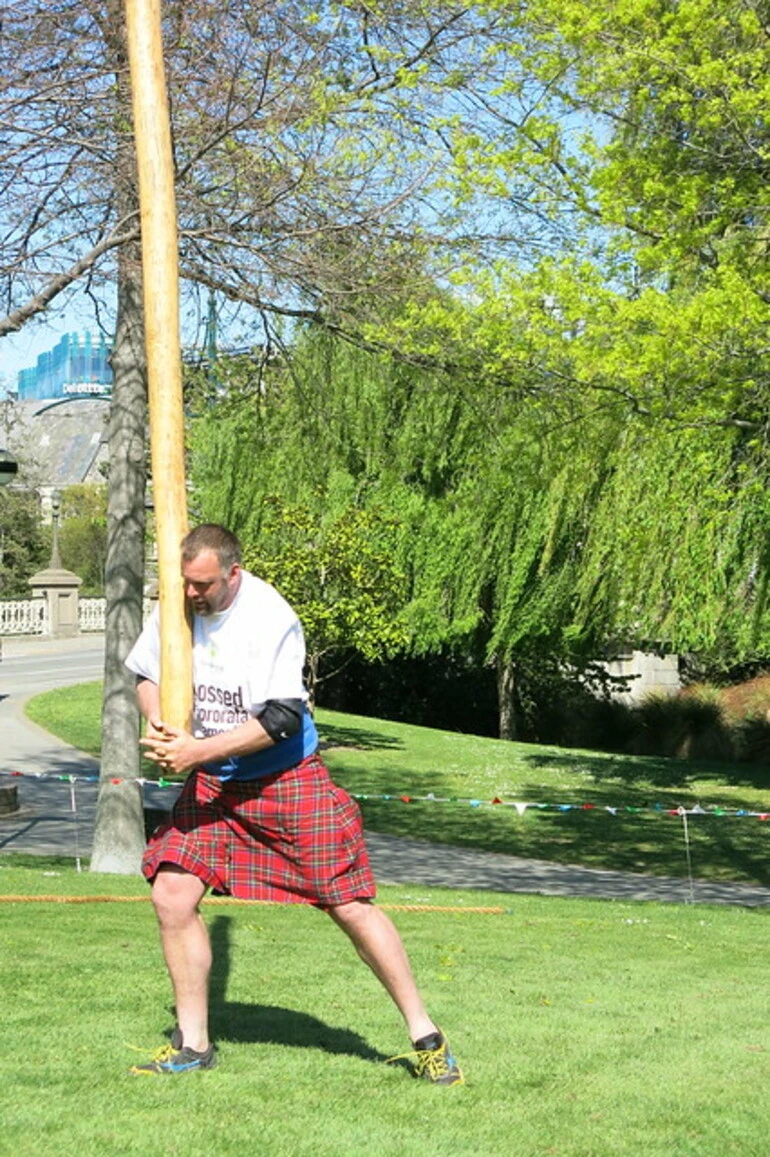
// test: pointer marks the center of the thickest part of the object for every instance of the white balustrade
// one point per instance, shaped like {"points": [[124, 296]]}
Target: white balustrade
{"points": [[91, 614], [31, 616], [24, 617]]}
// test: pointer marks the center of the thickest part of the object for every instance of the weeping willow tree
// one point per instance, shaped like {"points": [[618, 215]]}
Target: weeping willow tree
{"points": [[489, 510], [560, 489], [678, 544]]}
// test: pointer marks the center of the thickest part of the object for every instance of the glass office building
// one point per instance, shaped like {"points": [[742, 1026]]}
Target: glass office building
{"points": [[77, 366]]}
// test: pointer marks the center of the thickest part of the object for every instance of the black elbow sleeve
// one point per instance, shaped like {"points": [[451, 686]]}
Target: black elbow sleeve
{"points": [[281, 718]]}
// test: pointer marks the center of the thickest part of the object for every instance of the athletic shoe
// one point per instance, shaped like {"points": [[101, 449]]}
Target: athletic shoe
{"points": [[171, 1060], [433, 1060]]}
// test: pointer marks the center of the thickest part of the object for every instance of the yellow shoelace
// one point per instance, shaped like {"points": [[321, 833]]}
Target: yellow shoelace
{"points": [[431, 1061], [161, 1054]]}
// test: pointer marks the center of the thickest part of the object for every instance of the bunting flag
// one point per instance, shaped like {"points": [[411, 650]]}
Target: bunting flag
{"points": [[520, 806]]}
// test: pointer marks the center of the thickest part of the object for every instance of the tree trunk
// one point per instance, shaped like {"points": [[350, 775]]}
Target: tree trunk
{"points": [[119, 835], [311, 679], [119, 838], [506, 706]]}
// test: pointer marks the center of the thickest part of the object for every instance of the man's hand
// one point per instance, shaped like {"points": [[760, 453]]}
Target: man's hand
{"points": [[155, 729], [172, 748]]}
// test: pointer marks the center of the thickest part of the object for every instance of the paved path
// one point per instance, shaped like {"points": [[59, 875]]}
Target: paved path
{"points": [[47, 824]]}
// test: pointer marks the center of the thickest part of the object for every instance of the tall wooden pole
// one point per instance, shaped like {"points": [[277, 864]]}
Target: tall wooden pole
{"points": [[152, 131]]}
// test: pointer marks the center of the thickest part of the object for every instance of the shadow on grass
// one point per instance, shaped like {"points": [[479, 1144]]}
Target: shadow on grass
{"points": [[40, 863], [359, 738], [658, 772], [271, 1024]]}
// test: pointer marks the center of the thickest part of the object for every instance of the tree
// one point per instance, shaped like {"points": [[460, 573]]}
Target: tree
{"points": [[24, 546], [327, 157], [640, 518], [119, 832], [671, 168], [83, 534], [664, 331], [552, 505], [68, 177], [491, 508], [340, 576], [683, 91], [676, 154]]}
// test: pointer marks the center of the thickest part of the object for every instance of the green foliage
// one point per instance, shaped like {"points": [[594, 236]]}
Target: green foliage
{"points": [[577, 444], [622, 494], [545, 508], [83, 535], [677, 541], [339, 575], [24, 543], [485, 543], [669, 158]]}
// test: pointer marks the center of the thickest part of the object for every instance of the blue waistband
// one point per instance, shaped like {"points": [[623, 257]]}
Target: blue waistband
{"points": [[281, 756]]}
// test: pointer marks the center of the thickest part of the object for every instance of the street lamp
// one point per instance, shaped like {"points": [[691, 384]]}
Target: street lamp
{"points": [[8, 467], [55, 563]]}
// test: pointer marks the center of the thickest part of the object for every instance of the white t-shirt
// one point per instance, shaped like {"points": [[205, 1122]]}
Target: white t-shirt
{"points": [[251, 652]]}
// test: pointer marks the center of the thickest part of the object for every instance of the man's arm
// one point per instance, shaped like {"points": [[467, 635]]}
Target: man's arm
{"points": [[148, 695], [177, 750]]}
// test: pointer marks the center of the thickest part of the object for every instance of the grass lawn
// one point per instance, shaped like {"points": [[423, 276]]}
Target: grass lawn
{"points": [[586, 1029], [373, 757]]}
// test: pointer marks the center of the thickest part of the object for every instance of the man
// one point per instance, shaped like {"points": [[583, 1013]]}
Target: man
{"points": [[258, 816]]}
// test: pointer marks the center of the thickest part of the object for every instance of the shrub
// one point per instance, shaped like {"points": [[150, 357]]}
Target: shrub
{"points": [[683, 727], [752, 739], [604, 724]]}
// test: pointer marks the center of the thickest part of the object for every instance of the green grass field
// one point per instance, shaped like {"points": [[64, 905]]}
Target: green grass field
{"points": [[586, 1029], [373, 757]]}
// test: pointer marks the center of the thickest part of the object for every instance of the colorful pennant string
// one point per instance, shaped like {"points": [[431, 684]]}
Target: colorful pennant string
{"points": [[520, 806]]}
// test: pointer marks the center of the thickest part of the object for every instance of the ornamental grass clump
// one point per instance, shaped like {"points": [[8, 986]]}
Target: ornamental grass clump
{"points": [[752, 740], [682, 727]]}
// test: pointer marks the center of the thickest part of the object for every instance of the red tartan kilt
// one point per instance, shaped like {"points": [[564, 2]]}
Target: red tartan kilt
{"points": [[293, 837]]}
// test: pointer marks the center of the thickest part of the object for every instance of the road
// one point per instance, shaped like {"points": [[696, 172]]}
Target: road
{"points": [[54, 817], [32, 665]]}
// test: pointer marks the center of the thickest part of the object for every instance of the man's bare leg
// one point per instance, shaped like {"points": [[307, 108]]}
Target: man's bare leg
{"points": [[184, 937], [379, 945]]}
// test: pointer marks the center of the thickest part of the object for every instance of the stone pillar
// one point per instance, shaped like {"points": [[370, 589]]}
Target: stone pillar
{"points": [[60, 587]]}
